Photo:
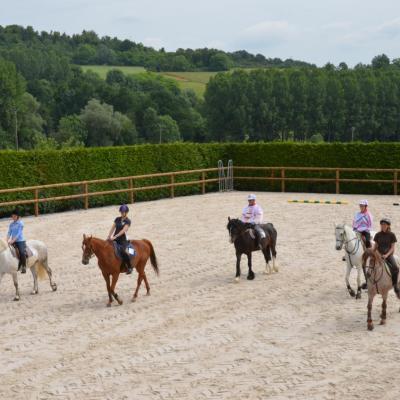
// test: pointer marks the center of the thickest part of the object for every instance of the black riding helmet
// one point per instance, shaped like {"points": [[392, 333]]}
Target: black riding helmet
{"points": [[385, 221]]}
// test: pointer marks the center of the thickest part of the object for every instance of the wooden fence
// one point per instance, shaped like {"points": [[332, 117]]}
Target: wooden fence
{"points": [[132, 183], [276, 174]]}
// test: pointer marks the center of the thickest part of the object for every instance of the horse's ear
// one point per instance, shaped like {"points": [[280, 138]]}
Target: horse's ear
{"points": [[229, 218], [84, 236]]}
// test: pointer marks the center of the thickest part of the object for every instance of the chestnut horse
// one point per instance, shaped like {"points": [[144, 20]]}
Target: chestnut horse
{"points": [[111, 266]]}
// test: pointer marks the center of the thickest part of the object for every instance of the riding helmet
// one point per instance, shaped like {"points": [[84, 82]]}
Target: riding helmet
{"points": [[16, 212], [363, 202], [124, 208], [251, 197], [385, 221]]}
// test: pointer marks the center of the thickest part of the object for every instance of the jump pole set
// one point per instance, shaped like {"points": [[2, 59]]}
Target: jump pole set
{"points": [[318, 201]]}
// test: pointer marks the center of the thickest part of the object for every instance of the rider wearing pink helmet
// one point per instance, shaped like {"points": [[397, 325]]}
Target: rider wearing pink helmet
{"points": [[362, 222]]}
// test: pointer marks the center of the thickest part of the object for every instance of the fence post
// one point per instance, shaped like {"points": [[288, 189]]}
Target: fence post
{"points": [[173, 186], [282, 180], [203, 183], [86, 198], [130, 184], [395, 183], [337, 181], [272, 181], [36, 194]]}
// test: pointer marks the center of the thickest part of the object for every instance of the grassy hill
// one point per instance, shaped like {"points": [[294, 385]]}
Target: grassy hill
{"points": [[187, 80]]}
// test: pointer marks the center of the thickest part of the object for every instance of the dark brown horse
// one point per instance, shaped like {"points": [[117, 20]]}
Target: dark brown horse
{"points": [[111, 266], [245, 243]]}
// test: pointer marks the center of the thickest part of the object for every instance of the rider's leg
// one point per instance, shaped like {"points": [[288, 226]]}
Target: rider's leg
{"points": [[394, 269], [128, 263], [259, 233], [367, 236], [22, 256]]}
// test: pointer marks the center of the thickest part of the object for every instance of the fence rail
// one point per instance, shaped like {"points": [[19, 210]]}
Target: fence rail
{"points": [[131, 181], [278, 174]]}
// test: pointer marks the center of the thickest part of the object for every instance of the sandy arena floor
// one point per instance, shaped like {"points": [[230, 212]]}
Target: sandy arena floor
{"points": [[296, 334]]}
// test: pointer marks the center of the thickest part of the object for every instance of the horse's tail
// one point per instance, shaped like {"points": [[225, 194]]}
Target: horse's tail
{"points": [[153, 257], [40, 270]]}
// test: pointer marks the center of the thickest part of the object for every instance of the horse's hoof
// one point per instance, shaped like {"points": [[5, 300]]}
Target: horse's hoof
{"points": [[352, 293], [358, 296], [237, 279], [108, 304], [383, 322], [364, 286], [53, 287], [120, 302], [148, 294], [250, 277], [16, 298], [134, 299], [34, 292], [370, 327]]}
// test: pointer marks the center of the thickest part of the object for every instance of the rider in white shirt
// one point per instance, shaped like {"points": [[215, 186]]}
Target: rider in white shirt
{"points": [[253, 214]]}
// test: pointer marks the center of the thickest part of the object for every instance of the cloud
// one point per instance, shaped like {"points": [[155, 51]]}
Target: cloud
{"points": [[127, 20]]}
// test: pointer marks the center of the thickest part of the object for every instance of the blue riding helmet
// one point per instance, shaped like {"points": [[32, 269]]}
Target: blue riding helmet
{"points": [[124, 208]]}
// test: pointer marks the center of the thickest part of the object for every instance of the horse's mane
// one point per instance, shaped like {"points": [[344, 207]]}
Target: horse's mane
{"points": [[372, 253]]}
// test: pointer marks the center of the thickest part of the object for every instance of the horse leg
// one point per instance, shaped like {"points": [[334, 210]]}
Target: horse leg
{"points": [[45, 265], [139, 281], [114, 281], [351, 291], [147, 284], [250, 275], [267, 256], [238, 257], [358, 296], [15, 280], [384, 305], [370, 324], [35, 289], [275, 266], [107, 279]]}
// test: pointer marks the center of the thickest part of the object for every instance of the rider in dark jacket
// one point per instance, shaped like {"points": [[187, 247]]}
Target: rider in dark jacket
{"points": [[118, 234]]}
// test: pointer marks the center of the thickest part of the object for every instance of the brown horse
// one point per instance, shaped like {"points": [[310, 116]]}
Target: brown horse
{"points": [[378, 281], [111, 266]]}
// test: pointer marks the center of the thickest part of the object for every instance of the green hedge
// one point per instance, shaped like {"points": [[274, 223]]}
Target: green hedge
{"points": [[29, 168]]}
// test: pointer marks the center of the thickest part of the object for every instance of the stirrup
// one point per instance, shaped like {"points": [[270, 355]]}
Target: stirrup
{"points": [[23, 269], [129, 270]]}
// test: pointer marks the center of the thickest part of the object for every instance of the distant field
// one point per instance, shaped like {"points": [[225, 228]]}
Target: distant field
{"points": [[187, 80]]}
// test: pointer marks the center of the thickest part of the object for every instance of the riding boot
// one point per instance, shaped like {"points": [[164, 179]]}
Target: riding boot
{"points": [[22, 264], [128, 264]]}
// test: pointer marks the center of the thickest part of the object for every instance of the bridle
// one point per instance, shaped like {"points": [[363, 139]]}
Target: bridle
{"points": [[88, 251], [346, 242]]}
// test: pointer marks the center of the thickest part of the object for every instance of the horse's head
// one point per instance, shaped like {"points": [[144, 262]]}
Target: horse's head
{"points": [[340, 236], [87, 249], [370, 260], [3, 245], [235, 227]]}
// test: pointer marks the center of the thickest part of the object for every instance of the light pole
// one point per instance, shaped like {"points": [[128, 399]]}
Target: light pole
{"points": [[160, 132], [352, 133]]}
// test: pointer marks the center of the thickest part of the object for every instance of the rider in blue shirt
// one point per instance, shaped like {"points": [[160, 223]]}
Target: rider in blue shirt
{"points": [[15, 237]]}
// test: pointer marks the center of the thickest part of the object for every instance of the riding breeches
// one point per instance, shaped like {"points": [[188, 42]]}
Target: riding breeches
{"points": [[259, 232], [21, 246], [394, 269], [367, 237]]}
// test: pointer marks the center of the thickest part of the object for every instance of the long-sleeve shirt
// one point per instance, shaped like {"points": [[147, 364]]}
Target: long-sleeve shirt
{"points": [[362, 221], [253, 214], [15, 231]]}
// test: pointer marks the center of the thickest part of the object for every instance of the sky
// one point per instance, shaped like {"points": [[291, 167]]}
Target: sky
{"points": [[317, 31]]}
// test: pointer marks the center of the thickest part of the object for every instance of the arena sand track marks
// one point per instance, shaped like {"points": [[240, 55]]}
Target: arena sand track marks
{"points": [[295, 334]]}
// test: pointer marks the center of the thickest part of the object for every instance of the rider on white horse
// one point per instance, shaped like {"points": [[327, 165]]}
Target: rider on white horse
{"points": [[253, 214], [385, 244], [362, 222], [15, 237]]}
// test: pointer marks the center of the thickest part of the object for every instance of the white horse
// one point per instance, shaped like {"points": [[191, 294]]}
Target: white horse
{"points": [[37, 263], [354, 250]]}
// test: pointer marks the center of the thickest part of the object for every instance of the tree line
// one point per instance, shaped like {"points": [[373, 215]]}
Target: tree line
{"points": [[87, 48], [318, 104]]}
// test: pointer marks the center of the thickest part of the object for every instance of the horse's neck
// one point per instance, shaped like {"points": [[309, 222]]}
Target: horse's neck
{"points": [[350, 234], [99, 244]]}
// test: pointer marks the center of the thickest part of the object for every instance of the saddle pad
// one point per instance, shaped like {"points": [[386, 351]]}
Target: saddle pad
{"points": [[251, 233], [119, 249], [387, 269], [14, 252]]}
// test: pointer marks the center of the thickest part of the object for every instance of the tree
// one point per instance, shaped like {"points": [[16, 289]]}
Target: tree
{"points": [[381, 61], [72, 131], [160, 129], [220, 62]]}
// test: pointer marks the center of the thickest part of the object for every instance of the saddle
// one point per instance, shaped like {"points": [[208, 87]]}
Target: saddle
{"points": [[119, 250], [15, 252]]}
